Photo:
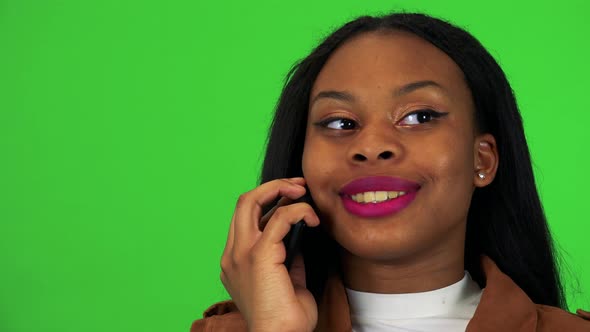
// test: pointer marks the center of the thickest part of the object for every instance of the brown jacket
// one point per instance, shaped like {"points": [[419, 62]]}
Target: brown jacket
{"points": [[503, 307]]}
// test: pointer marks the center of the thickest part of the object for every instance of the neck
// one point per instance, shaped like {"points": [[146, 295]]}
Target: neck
{"points": [[420, 273]]}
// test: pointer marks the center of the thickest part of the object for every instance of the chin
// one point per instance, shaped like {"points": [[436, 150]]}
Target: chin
{"points": [[372, 244], [376, 253]]}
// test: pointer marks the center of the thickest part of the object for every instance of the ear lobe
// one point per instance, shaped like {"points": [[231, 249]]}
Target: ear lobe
{"points": [[486, 160]]}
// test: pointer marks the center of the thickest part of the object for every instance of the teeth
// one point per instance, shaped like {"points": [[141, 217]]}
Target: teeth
{"points": [[376, 196], [381, 196], [369, 196]]}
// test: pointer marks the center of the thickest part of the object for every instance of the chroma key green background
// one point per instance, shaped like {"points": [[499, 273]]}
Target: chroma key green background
{"points": [[128, 129]]}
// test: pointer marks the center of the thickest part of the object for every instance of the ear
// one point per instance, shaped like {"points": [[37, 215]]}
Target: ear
{"points": [[485, 159]]}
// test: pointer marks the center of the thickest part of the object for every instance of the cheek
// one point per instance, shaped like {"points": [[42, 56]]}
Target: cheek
{"points": [[319, 165], [309, 162], [448, 155], [448, 165], [450, 168]]}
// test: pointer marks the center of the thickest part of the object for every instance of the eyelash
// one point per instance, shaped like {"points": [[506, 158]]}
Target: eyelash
{"points": [[434, 115]]}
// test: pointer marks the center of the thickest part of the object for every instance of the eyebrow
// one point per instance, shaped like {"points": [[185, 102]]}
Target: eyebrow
{"points": [[404, 90]]}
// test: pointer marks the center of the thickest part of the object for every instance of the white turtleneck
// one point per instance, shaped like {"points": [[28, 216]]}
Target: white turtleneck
{"points": [[447, 309]]}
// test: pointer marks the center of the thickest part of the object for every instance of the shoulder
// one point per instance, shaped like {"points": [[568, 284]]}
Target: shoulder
{"points": [[504, 306], [555, 319], [220, 317]]}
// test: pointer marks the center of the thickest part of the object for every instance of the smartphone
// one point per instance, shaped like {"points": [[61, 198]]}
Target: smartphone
{"points": [[293, 238]]}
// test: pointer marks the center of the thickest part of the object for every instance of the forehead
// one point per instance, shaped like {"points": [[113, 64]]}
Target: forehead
{"points": [[385, 60]]}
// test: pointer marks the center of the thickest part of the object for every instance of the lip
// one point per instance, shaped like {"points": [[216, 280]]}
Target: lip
{"points": [[378, 183]]}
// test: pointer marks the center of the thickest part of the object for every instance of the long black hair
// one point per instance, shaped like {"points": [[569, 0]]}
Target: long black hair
{"points": [[505, 221]]}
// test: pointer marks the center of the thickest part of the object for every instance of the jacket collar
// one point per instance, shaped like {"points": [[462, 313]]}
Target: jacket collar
{"points": [[518, 311]]}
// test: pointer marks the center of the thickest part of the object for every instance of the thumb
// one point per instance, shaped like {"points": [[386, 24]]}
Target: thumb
{"points": [[297, 272]]}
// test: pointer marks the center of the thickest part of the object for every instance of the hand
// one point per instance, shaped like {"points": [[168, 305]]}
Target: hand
{"points": [[268, 296]]}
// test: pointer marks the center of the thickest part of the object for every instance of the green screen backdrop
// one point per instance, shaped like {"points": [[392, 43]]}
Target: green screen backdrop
{"points": [[129, 128]]}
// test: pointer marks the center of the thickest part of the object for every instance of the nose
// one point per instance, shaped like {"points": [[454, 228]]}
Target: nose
{"points": [[375, 147], [383, 155]]}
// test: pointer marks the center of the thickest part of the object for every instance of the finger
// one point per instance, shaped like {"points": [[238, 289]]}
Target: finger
{"points": [[264, 220], [280, 224], [230, 236], [297, 180], [283, 201], [231, 233], [249, 209]]}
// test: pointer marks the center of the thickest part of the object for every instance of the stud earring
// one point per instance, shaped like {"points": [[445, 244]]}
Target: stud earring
{"points": [[481, 176]]}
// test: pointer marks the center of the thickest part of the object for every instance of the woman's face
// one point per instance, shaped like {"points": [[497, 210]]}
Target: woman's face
{"points": [[394, 106]]}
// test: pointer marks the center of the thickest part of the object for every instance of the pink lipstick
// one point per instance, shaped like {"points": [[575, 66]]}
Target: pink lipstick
{"points": [[375, 209]]}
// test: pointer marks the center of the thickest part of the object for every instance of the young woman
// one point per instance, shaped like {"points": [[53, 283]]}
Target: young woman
{"points": [[424, 215]]}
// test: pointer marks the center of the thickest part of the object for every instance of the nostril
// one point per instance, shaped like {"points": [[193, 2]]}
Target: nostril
{"points": [[359, 157], [385, 155]]}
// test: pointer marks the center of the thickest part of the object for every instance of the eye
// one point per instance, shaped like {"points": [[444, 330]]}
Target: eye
{"points": [[421, 116], [338, 124]]}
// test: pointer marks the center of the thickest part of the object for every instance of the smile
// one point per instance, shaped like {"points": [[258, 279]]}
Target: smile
{"points": [[378, 196], [375, 208]]}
